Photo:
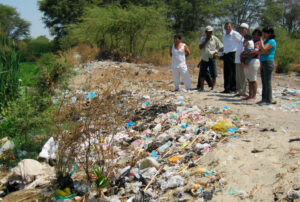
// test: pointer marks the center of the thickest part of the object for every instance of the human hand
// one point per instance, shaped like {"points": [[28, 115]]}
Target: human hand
{"points": [[199, 65], [215, 54]]}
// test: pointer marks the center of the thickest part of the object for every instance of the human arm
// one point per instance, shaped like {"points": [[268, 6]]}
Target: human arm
{"points": [[252, 53], [219, 47], [187, 51], [265, 48], [203, 42]]}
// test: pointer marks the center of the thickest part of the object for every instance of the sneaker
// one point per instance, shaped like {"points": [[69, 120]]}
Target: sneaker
{"points": [[225, 91]]}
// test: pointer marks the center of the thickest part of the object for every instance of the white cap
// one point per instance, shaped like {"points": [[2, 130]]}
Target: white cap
{"points": [[209, 29], [244, 25]]}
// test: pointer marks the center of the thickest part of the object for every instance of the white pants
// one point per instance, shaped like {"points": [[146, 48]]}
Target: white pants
{"points": [[184, 73]]}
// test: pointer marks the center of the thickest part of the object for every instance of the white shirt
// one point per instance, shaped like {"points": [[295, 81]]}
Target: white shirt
{"points": [[231, 41], [178, 57], [212, 46]]}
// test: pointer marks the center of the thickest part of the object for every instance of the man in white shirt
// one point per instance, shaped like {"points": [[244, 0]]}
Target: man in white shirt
{"points": [[231, 40], [239, 70], [210, 45]]}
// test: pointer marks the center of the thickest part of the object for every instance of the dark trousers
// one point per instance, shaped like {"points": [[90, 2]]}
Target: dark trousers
{"points": [[207, 78], [229, 71], [266, 80]]}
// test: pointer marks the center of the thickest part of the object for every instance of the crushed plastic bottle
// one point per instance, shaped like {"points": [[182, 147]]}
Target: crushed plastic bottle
{"points": [[174, 181], [164, 147]]}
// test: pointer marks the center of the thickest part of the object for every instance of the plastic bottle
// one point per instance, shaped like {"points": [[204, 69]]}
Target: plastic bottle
{"points": [[164, 147]]}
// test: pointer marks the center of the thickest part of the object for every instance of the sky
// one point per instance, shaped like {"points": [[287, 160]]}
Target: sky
{"points": [[28, 10]]}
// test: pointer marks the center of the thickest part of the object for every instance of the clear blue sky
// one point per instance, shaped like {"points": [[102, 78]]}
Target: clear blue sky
{"points": [[28, 10]]}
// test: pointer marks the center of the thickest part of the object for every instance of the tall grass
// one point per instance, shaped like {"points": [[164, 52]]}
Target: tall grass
{"points": [[9, 68]]}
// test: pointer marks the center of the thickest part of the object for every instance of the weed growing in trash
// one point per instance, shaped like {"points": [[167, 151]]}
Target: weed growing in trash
{"points": [[86, 129]]}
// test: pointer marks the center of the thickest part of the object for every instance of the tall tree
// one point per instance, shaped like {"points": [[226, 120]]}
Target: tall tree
{"points": [[239, 11], [190, 15], [272, 13], [11, 24], [291, 15], [59, 13]]}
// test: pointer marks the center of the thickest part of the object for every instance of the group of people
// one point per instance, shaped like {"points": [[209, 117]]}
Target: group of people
{"points": [[243, 55]]}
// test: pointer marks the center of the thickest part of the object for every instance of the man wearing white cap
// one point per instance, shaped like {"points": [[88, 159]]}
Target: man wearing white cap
{"points": [[239, 70], [210, 45]]}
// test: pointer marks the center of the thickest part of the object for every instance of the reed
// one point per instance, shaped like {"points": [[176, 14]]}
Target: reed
{"points": [[9, 68]]}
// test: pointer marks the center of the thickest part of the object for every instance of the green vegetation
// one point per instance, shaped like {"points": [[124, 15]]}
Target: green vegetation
{"points": [[27, 73], [27, 119], [130, 31], [11, 24], [9, 68]]}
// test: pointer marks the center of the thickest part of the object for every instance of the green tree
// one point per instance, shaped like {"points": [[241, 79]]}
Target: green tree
{"points": [[272, 13], [190, 15], [128, 30], [291, 15], [239, 11], [11, 23], [39, 46]]}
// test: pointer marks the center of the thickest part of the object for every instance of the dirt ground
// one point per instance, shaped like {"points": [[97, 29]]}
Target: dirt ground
{"points": [[275, 168], [262, 162]]}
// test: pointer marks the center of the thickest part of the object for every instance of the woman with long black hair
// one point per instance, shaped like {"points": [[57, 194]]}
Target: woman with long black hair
{"points": [[267, 51]]}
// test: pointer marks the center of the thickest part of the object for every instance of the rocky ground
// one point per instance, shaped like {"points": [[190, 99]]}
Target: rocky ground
{"points": [[190, 145]]}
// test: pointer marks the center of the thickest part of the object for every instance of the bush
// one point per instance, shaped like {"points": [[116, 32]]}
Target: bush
{"points": [[49, 73], [130, 30], [24, 119], [284, 64]]}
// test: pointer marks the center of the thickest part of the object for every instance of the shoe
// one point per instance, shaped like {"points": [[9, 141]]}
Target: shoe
{"points": [[260, 102], [237, 95], [274, 102], [225, 91]]}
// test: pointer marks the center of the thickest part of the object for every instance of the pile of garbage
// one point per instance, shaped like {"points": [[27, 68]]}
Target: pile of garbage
{"points": [[156, 151], [166, 140]]}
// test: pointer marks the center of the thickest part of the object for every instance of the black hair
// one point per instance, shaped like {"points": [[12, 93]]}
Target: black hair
{"points": [[257, 31], [227, 23], [177, 36], [248, 37], [269, 30]]}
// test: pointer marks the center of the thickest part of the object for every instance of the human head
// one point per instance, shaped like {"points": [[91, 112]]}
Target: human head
{"points": [[209, 30], [247, 38], [244, 29], [256, 35], [177, 38], [228, 27], [268, 33]]}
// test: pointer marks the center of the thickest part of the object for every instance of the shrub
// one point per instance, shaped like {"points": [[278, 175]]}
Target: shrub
{"points": [[129, 30], [284, 64], [49, 73]]}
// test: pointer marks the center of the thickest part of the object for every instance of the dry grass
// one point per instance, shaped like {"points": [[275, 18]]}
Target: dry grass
{"points": [[81, 53]]}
